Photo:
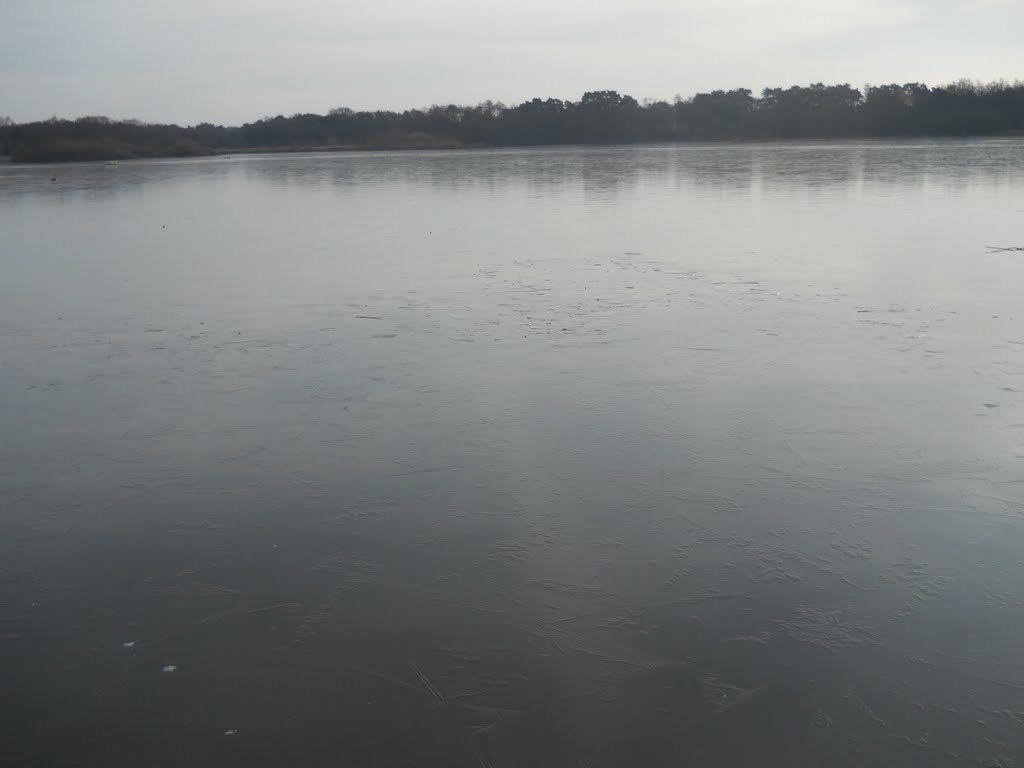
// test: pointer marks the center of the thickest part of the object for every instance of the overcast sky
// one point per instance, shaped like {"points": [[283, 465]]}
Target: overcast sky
{"points": [[233, 61]]}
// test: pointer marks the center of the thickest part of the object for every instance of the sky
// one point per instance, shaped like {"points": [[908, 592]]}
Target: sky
{"points": [[235, 61]]}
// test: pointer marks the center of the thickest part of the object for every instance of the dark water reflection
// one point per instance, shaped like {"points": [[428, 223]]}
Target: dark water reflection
{"points": [[633, 456]]}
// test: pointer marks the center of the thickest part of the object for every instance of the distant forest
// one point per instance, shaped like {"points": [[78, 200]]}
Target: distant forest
{"points": [[818, 111]]}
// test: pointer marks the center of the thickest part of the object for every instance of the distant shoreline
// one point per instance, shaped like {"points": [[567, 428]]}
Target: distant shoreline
{"points": [[349, 148], [960, 110], [600, 118]]}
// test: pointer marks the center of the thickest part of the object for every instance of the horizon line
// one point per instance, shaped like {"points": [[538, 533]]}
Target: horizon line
{"points": [[643, 102]]}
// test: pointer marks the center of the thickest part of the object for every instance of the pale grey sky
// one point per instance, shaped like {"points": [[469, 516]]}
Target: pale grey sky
{"points": [[233, 61]]}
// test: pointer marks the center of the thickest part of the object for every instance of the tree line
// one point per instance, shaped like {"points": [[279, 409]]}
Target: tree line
{"points": [[818, 111]]}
